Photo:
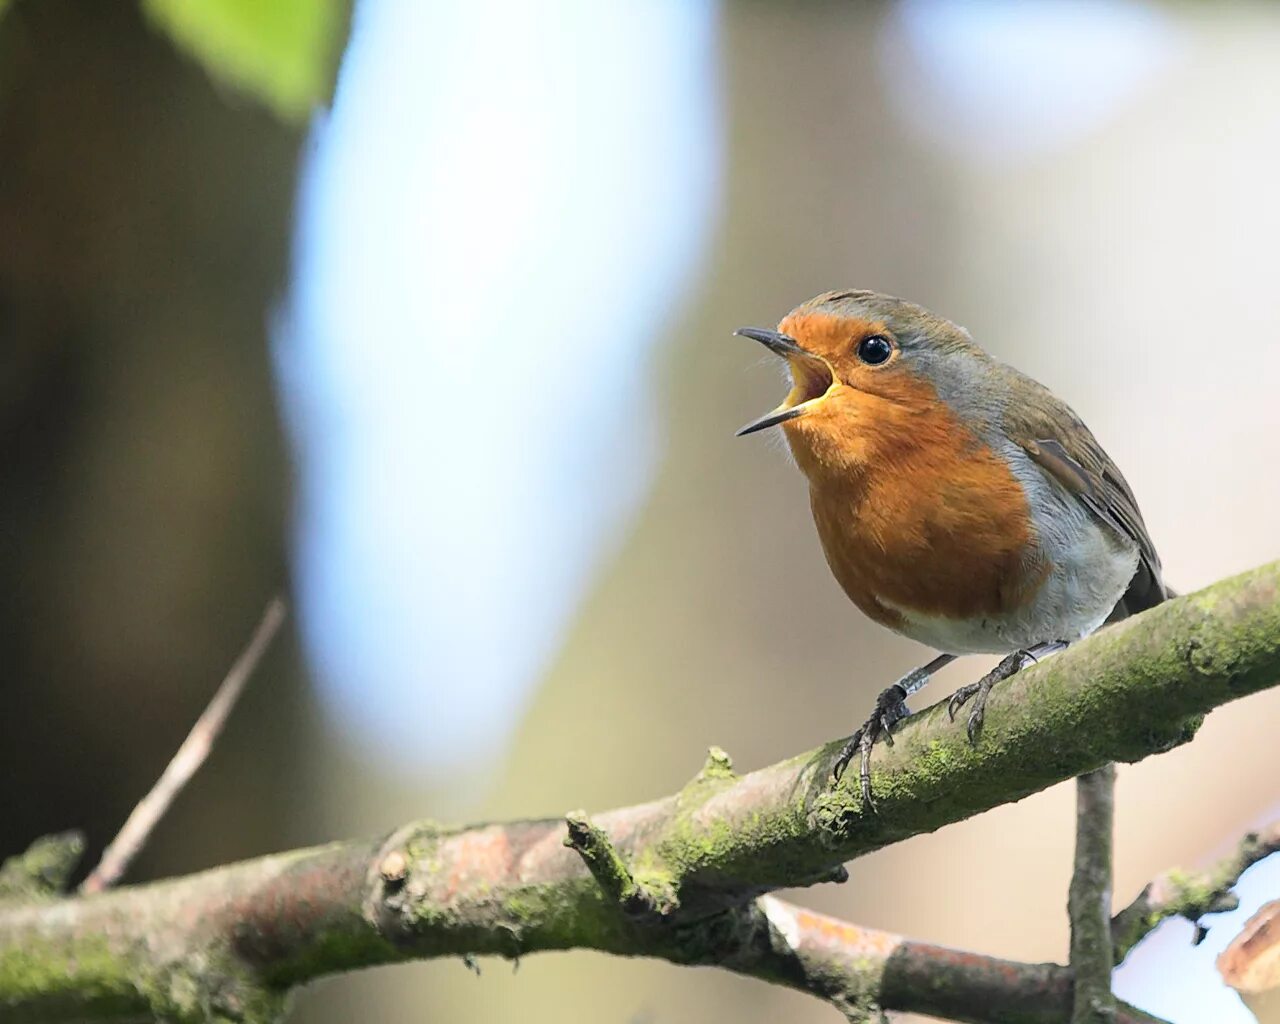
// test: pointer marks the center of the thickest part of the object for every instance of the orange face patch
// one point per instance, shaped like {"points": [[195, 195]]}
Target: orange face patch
{"points": [[836, 339], [912, 508], [830, 336]]}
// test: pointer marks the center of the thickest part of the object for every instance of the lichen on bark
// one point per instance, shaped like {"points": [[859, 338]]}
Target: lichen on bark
{"points": [[229, 944]]}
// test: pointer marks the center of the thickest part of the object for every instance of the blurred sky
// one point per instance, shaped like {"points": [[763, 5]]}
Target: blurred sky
{"points": [[495, 228], [1172, 978], [493, 233], [996, 81]]}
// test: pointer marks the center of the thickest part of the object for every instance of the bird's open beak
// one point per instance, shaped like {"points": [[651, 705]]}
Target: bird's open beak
{"points": [[811, 376]]}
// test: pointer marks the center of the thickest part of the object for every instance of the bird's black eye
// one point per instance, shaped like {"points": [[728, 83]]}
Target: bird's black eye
{"points": [[875, 349]]}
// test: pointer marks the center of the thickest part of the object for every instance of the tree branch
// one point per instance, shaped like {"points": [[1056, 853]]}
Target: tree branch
{"points": [[861, 971], [228, 944], [607, 868], [1089, 900], [258, 928], [1190, 894]]}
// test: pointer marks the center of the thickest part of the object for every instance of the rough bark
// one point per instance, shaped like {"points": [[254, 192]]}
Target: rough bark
{"points": [[1089, 899], [229, 944]]}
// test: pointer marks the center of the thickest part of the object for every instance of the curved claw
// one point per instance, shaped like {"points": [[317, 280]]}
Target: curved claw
{"points": [[975, 724], [845, 756], [890, 707], [864, 771], [960, 698]]}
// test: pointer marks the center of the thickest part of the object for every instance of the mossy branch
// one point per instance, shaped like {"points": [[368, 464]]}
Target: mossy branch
{"points": [[1089, 899], [1191, 894], [44, 869], [229, 944], [607, 868]]}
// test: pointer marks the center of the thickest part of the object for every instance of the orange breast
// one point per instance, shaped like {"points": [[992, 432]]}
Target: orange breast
{"points": [[932, 521]]}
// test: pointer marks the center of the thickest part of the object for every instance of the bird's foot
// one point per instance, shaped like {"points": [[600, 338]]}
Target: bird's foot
{"points": [[979, 691], [891, 708]]}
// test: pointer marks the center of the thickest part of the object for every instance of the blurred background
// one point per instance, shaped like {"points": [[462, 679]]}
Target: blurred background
{"points": [[421, 312]]}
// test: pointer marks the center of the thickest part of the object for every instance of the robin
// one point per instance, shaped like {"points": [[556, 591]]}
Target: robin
{"points": [[958, 502]]}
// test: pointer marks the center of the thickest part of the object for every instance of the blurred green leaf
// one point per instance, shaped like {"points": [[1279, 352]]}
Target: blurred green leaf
{"points": [[281, 51]]}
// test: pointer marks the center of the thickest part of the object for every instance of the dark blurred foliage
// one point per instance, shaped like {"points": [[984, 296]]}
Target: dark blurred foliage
{"points": [[145, 219]]}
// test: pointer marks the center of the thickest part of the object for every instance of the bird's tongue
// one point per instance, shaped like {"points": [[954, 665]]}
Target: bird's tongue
{"points": [[811, 378]]}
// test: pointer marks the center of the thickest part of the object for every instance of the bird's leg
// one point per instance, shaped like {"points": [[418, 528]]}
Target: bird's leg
{"points": [[978, 691], [891, 707], [1010, 665]]}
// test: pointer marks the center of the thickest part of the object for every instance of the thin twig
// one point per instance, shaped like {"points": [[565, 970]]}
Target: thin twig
{"points": [[1190, 894], [1089, 903], [137, 829]]}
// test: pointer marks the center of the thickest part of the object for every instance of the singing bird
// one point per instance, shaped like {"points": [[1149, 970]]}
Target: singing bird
{"points": [[958, 502]]}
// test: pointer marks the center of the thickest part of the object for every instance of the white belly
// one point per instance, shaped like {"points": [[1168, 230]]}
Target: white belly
{"points": [[1092, 567]]}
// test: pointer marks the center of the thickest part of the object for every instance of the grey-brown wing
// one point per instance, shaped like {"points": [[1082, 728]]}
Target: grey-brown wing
{"points": [[1060, 444]]}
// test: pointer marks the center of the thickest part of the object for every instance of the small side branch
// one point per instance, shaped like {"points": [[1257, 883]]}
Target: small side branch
{"points": [[44, 870], [602, 859], [138, 827], [1089, 902], [1191, 894]]}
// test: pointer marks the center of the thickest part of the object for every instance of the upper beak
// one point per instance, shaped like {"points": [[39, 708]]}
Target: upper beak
{"points": [[812, 376], [775, 341]]}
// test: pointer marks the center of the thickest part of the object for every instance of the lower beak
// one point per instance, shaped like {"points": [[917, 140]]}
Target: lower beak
{"points": [[811, 375]]}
